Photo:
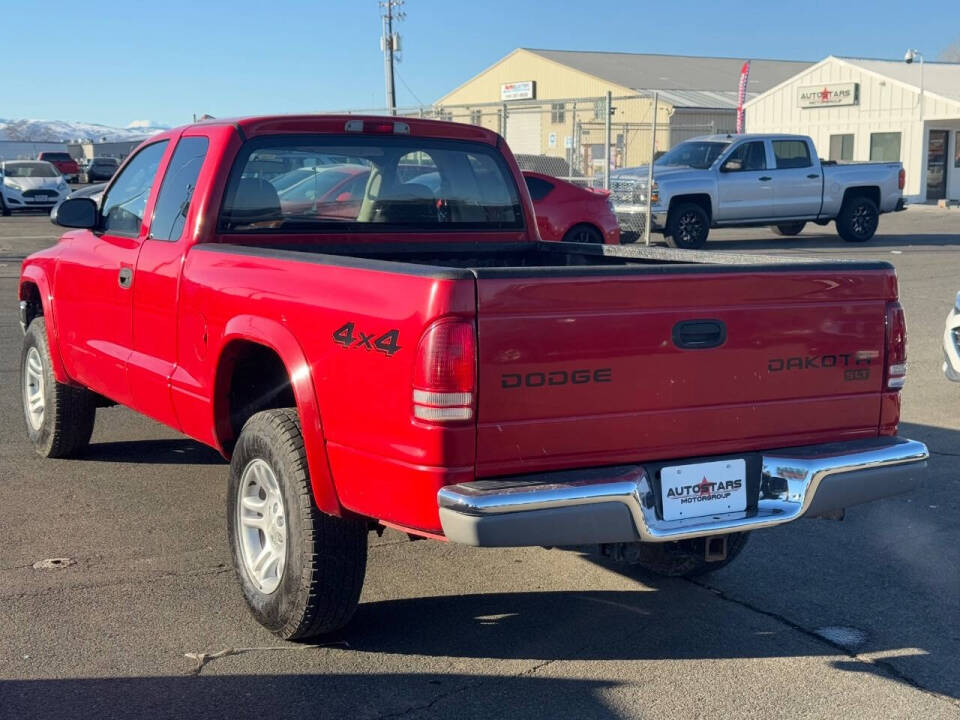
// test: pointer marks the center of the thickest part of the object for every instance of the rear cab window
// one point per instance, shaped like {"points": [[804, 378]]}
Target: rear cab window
{"points": [[335, 183], [791, 154]]}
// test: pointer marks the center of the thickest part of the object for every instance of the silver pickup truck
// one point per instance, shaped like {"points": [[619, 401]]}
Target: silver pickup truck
{"points": [[750, 180]]}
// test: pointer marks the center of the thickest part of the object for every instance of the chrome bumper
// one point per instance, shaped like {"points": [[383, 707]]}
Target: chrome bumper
{"points": [[618, 504]]}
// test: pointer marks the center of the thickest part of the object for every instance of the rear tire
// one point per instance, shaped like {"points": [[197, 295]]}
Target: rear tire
{"points": [[687, 227], [310, 582], [858, 219], [789, 229], [684, 558], [59, 417], [583, 233]]}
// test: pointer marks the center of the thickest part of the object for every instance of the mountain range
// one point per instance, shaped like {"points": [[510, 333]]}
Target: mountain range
{"points": [[68, 131]]}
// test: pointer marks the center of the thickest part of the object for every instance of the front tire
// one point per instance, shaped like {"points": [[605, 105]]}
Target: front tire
{"points": [[789, 229], [681, 559], [687, 227], [858, 219], [59, 417], [4, 210], [301, 571]]}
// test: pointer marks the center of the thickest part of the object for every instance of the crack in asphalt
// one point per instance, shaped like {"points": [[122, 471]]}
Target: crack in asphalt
{"points": [[467, 686], [114, 583], [884, 665]]}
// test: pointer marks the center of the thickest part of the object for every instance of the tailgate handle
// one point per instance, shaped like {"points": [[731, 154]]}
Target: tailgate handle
{"points": [[699, 334]]}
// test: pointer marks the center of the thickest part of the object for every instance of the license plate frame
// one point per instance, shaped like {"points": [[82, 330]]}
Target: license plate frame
{"points": [[695, 490]]}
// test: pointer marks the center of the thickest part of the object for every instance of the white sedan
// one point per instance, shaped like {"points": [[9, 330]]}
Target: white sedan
{"points": [[951, 343], [26, 184]]}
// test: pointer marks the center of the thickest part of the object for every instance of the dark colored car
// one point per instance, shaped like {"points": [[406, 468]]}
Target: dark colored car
{"points": [[100, 169], [570, 213], [63, 162]]}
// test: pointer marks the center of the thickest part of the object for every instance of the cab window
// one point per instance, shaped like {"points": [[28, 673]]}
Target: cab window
{"points": [[125, 202], [176, 192], [791, 154], [749, 156]]}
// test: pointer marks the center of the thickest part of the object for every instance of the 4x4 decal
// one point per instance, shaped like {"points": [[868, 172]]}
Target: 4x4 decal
{"points": [[348, 336]]}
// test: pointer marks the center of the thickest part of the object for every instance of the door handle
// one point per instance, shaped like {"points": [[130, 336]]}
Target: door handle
{"points": [[125, 278], [813, 176], [699, 334], [765, 178]]}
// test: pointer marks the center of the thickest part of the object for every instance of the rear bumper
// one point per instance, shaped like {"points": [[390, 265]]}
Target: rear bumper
{"points": [[618, 504]]}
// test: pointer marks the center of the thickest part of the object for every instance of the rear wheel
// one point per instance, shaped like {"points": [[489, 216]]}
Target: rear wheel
{"points": [[687, 227], [789, 229], [301, 570], [687, 558], [858, 219], [583, 234], [59, 417]]}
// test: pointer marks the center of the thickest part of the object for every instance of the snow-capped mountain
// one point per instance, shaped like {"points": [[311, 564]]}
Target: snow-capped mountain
{"points": [[66, 131]]}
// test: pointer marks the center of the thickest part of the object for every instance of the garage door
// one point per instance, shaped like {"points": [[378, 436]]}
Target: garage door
{"points": [[523, 132]]}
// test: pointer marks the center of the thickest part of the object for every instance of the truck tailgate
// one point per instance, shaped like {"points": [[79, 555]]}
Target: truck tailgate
{"points": [[588, 368]]}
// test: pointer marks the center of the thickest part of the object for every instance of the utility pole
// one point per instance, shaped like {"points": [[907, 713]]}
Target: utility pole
{"points": [[390, 44]]}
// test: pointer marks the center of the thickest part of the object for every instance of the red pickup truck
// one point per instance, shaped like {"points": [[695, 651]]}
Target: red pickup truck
{"points": [[63, 162], [425, 362]]}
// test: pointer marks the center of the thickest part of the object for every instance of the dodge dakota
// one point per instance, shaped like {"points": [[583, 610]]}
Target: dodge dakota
{"points": [[750, 180], [411, 355]]}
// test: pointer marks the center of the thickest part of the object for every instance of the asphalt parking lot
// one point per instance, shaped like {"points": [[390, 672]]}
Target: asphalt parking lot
{"points": [[852, 619]]}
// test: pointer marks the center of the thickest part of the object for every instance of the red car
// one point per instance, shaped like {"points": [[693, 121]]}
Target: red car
{"points": [[570, 213], [64, 163], [431, 365]]}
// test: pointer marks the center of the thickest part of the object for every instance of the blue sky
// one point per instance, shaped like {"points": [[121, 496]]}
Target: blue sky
{"points": [[116, 62]]}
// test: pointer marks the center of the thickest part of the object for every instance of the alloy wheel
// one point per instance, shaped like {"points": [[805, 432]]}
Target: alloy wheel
{"points": [[34, 402], [261, 526]]}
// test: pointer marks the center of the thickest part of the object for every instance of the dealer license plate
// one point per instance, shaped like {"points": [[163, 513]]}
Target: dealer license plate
{"points": [[703, 489]]}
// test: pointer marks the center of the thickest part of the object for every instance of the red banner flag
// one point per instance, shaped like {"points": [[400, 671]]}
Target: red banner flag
{"points": [[742, 94]]}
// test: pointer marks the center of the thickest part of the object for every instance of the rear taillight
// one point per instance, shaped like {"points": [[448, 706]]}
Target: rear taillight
{"points": [[896, 352], [445, 372], [901, 178]]}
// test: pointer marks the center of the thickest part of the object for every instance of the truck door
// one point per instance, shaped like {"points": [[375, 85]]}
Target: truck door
{"points": [[797, 179], [94, 281], [156, 281], [744, 187]]}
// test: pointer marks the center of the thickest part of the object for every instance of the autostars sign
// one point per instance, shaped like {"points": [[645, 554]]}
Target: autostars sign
{"points": [[829, 95]]}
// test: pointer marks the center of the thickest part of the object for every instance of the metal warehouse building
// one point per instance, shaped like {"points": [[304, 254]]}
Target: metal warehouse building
{"points": [[553, 102], [857, 109]]}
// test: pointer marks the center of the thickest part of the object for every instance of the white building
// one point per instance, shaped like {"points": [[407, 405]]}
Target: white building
{"points": [[857, 110]]}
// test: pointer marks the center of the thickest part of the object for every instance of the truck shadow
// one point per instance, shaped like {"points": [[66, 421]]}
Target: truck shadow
{"points": [[315, 695], [173, 451]]}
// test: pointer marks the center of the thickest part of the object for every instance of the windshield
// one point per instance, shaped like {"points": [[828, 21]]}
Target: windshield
{"points": [[695, 153], [371, 183], [30, 170]]}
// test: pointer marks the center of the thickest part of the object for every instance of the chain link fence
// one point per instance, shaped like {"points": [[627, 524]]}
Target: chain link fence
{"points": [[587, 140]]}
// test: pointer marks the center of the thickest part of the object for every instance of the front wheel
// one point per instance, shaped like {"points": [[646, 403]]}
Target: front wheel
{"points": [[59, 417], [4, 210], [789, 229], [301, 570], [858, 219], [687, 558], [687, 227]]}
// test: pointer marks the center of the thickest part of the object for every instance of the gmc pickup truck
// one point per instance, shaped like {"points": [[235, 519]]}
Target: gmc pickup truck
{"points": [[750, 180], [415, 358]]}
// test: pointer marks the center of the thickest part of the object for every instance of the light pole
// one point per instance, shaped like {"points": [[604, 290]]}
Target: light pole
{"points": [[390, 44], [908, 58]]}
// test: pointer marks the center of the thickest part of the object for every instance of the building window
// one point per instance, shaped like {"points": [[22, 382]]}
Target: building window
{"points": [[476, 117], [885, 147], [599, 107], [558, 113], [841, 147]]}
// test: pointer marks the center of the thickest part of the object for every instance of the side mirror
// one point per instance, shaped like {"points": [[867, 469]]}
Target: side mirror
{"points": [[75, 213], [732, 165]]}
